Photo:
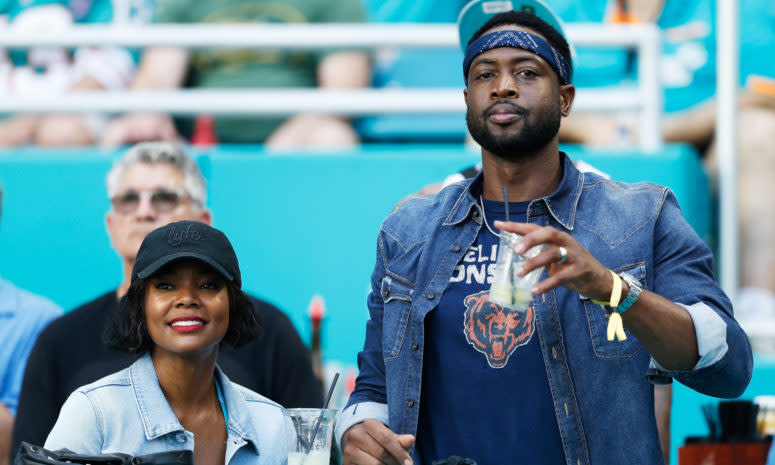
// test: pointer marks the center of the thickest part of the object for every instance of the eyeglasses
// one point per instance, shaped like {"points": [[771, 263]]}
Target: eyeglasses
{"points": [[162, 200]]}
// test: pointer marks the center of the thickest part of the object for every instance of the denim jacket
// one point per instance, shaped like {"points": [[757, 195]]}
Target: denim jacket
{"points": [[127, 412], [603, 400]]}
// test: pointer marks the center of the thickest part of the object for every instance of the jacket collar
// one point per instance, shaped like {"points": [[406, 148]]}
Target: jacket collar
{"points": [[158, 417], [8, 297], [562, 203]]}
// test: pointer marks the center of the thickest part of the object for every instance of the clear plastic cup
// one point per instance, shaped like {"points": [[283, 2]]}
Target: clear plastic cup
{"points": [[301, 424], [508, 289]]}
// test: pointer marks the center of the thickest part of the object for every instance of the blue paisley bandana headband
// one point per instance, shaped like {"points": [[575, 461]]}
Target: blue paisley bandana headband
{"points": [[518, 39]]}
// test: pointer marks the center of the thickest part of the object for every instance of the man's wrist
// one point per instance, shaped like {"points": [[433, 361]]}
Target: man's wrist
{"points": [[632, 294]]}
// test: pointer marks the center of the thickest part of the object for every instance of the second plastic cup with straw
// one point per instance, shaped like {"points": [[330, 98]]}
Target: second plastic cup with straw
{"points": [[309, 432]]}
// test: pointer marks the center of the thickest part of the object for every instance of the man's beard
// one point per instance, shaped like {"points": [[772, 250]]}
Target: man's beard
{"points": [[518, 145]]}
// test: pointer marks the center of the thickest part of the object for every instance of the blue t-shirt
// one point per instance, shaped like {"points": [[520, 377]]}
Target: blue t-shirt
{"points": [[485, 394], [23, 316]]}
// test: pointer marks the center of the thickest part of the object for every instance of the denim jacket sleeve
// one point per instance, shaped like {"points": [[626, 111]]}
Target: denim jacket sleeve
{"points": [[683, 273], [77, 427], [369, 399]]}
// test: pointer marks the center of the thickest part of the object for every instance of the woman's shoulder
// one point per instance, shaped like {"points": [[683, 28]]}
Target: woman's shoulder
{"points": [[117, 379], [90, 411], [256, 400]]}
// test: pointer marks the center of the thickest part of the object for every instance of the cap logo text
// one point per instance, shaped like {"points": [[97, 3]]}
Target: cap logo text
{"points": [[177, 236], [496, 7]]}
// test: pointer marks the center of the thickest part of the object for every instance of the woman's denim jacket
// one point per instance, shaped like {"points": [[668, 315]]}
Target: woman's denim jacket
{"points": [[127, 412], [603, 401]]}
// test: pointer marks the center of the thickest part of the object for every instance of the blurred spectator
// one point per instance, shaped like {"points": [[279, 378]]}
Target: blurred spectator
{"points": [[52, 71], [414, 11], [689, 76], [153, 184], [22, 316], [169, 68], [397, 67]]}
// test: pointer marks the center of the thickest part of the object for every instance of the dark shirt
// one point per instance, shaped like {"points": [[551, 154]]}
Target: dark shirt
{"points": [[70, 353], [485, 393]]}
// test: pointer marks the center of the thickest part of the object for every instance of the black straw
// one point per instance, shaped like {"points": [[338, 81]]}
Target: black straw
{"points": [[320, 418], [506, 201]]}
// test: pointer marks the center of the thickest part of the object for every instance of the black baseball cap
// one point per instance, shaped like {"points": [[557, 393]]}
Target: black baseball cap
{"points": [[187, 239]]}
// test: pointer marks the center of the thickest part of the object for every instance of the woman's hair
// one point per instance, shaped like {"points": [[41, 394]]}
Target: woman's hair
{"points": [[130, 331]]}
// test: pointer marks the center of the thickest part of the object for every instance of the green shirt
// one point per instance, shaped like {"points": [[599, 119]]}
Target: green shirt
{"points": [[245, 68]]}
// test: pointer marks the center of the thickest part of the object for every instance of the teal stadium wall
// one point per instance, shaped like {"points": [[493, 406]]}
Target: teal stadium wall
{"points": [[302, 224]]}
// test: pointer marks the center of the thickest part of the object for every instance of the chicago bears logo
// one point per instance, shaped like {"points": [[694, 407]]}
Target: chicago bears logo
{"points": [[494, 330]]}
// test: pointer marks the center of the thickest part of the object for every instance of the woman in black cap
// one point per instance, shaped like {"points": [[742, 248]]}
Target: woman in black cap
{"points": [[185, 299]]}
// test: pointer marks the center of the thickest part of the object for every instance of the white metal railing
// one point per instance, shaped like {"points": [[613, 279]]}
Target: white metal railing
{"points": [[287, 101], [727, 66], [646, 97]]}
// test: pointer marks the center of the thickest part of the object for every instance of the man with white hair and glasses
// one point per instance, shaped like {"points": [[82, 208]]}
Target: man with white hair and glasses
{"points": [[153, 184]]}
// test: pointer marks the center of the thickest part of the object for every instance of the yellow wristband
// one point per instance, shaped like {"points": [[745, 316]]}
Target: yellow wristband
{"points": [[615, 327], [616, 292]]}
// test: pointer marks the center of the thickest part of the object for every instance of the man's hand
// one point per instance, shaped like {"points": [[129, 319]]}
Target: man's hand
{"points": [[139, 127], [6, 428], [372, 443], [664, 328], [580, 272]]}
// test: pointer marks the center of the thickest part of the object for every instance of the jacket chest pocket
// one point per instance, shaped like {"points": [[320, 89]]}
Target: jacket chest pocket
{"points": [[597, 320], [397, 298]]}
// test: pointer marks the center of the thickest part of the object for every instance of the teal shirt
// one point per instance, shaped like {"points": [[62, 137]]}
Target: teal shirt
{"points": [[12, 8], [112, 11], [688, 65], [411, 11]]}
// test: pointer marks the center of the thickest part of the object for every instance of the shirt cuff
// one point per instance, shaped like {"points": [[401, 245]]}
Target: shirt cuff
{"points": [[10, 403], [711, 331], [358, 413]]}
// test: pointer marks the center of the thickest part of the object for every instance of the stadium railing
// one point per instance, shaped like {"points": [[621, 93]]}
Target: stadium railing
{"points": [[645, 97]]}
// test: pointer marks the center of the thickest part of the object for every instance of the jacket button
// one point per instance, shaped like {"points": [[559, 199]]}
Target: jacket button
{"points": [[180, 437], [415, 346], [456, 248], [431, 296], [410, 403]]}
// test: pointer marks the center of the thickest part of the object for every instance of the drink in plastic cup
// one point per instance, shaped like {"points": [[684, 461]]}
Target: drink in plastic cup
{"points": [[300, 425], [508, 289]]}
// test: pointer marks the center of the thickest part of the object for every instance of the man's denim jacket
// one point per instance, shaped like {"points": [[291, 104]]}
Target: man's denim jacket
{"points": [[603, 401], [127, 412]]}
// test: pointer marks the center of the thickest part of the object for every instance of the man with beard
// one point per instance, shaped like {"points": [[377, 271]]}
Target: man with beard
{"points": [[445, 372]]}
